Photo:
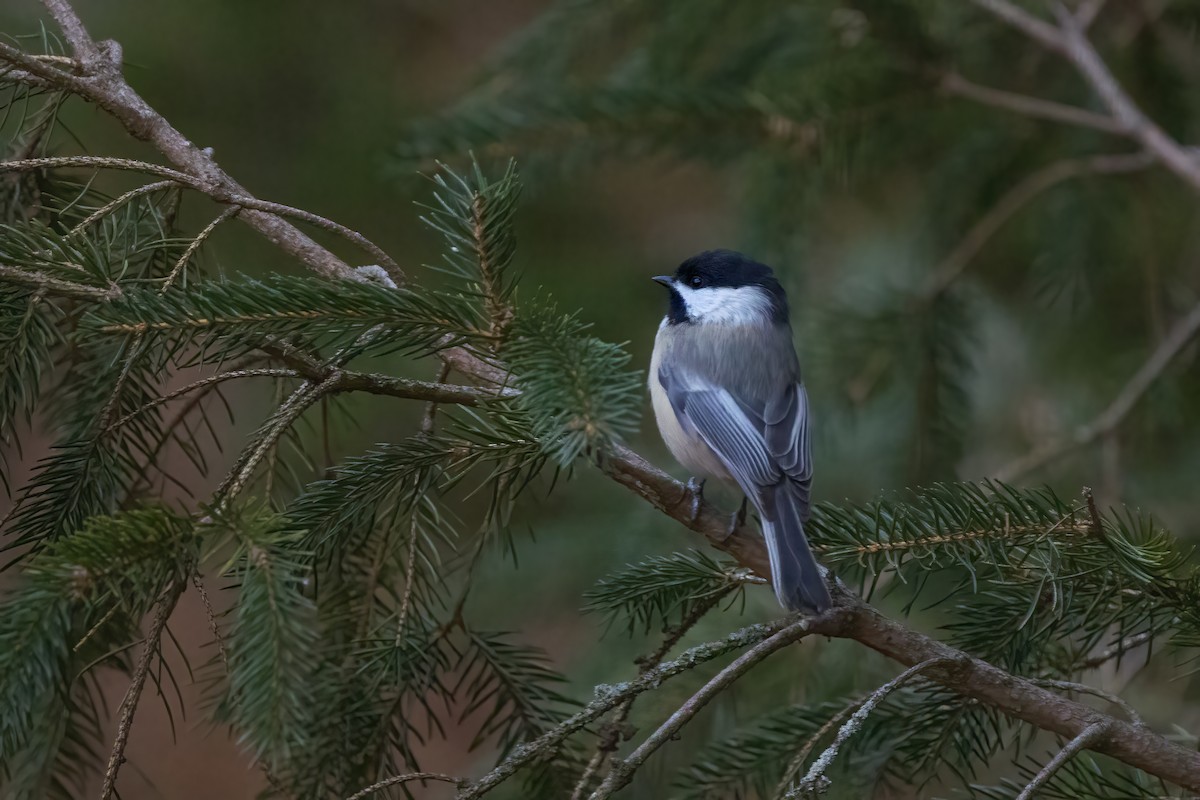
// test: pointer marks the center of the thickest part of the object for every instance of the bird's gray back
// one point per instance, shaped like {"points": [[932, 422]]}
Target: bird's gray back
{"points": [[755, 363]]}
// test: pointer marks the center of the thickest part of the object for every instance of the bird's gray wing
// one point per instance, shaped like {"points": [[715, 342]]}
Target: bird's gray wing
{"points": [[734, 431], [785, 431]]}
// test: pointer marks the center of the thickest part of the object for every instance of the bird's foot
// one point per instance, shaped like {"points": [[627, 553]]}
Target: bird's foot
{"points": [[695, 488], [736, 520]]}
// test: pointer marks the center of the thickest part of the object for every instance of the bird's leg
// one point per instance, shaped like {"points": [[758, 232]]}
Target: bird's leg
{"points": [[696, 489], [737, 519]]}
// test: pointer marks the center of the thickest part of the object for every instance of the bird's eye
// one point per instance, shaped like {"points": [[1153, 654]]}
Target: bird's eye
{"points": [[696, 281]]}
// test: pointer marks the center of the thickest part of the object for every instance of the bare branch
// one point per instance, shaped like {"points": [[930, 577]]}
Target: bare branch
{"points": [[815, 781], [622, 771], [1028, 106], [129, 705], [1086, 738], [1040, 31], [399, 779], [1177, 338], [1070, 41], [72, 27]]}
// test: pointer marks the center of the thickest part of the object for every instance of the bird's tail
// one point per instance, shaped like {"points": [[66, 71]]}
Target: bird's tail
{"points": [[798, 581]]}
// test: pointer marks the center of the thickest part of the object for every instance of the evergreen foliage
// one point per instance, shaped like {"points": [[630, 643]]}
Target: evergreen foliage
{"points": [[352, 641]]}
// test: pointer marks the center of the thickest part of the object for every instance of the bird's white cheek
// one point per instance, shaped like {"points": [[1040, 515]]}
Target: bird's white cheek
{"points": [[744, 305]]}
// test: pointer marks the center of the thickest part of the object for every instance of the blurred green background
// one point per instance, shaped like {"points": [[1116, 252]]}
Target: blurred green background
{"points": [[307, 103]]}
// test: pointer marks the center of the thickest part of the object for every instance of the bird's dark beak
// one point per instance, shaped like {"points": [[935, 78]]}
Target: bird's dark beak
{"points": [[665, 280]]}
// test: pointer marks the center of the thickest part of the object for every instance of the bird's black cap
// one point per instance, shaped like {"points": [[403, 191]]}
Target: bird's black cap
{"points": [[730, 269]]}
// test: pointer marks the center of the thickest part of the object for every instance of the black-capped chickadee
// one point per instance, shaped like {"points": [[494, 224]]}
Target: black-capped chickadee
{"points": [[725, 383]]}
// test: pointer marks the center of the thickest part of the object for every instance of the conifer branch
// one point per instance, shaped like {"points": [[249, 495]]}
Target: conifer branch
{"points": [[622, 771], [609, 697], [396, 780], [970, 677], [797, 762], [56, 286], [814, 781], [196, 244], [1107, 421], [612, 729], [117, 202], [1085, 740], [235, 199], [129, 705]]}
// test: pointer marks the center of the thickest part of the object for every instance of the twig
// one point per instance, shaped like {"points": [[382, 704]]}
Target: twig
{"points": [[1080, 51], [793, 768], [99, 162], [72, 27], [430, 418], [117, 202], [299, 402], [1041, 32], [1116, 700], [1019, 196], [57, 286], [212, 618], [1029, 106], [129, 705], [200, 384], [1119, 649], [1177, 338], [622, 771], [397, 779], [221, 195], [1086, 738], [195, 245], [814, 781]]}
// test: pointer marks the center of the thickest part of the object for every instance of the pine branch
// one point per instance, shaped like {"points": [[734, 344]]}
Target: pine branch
{"points": [[814, 781], [1087, 737], [622, 771], [133, 694], [399, 779], [971, 678], [608, 697]]}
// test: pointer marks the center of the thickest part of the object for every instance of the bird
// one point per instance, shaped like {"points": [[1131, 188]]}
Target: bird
{"points": [[727, 395]]}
